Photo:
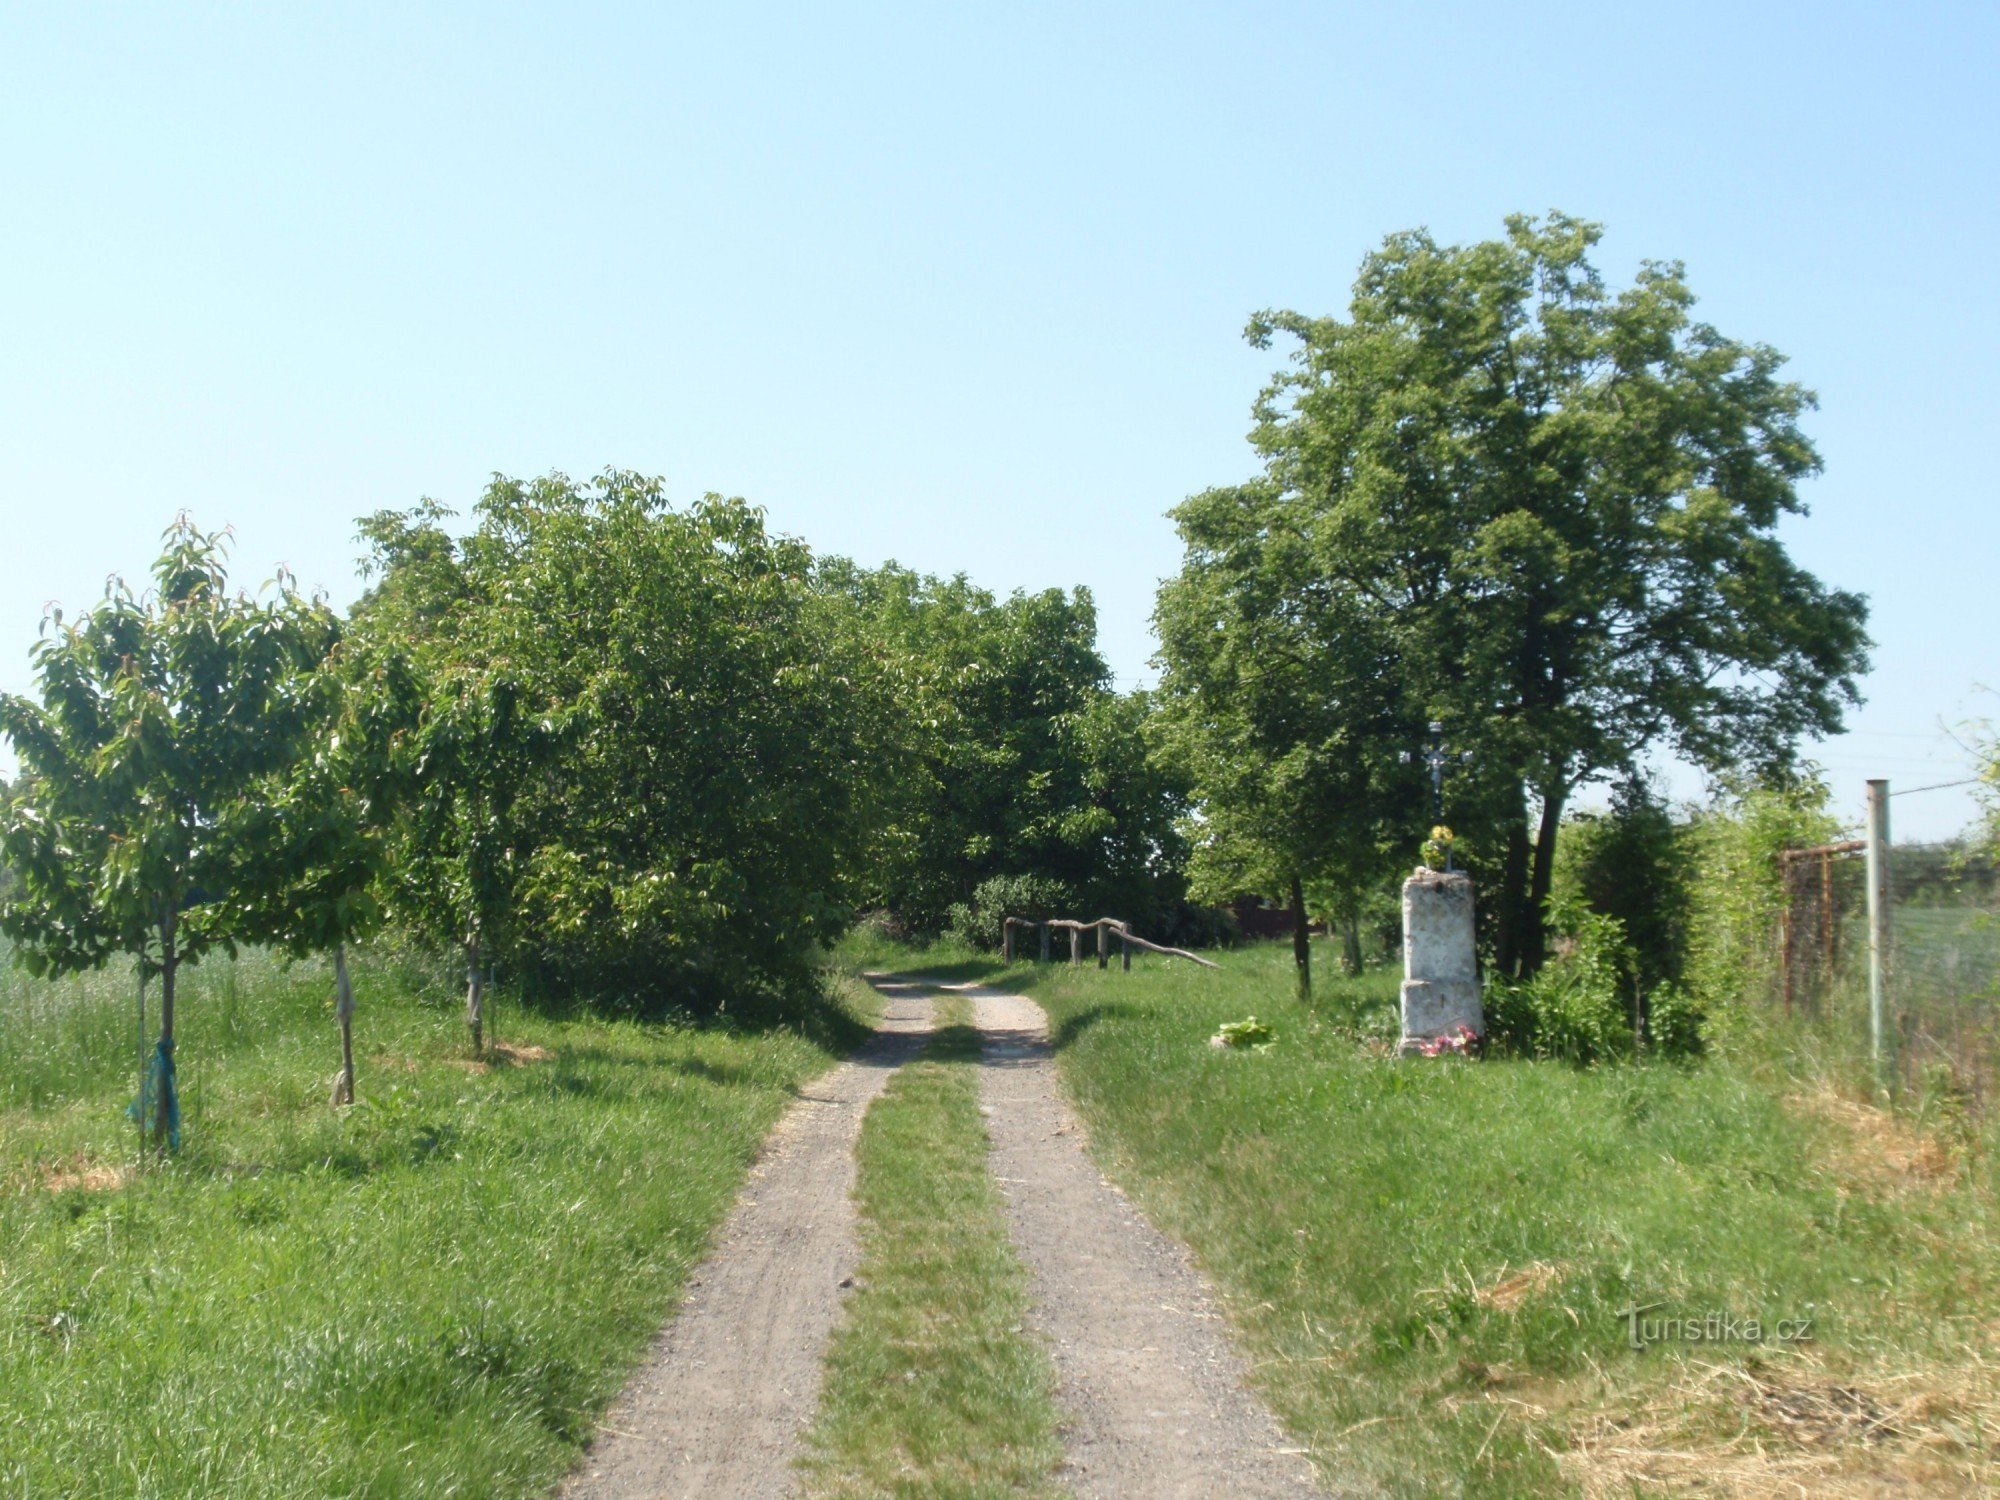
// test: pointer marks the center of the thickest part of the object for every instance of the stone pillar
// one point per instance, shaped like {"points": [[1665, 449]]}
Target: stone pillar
{"points": [[1440, 964]]}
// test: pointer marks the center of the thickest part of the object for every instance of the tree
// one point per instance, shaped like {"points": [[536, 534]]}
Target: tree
{"points": [[135, 826], [1277, 712], [460, 849], [329, 822], [644, 764], [1547, 513], [1008, 752]]}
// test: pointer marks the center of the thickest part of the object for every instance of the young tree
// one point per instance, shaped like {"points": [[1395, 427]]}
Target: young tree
{"points": [[331, 819], [1548, 513], [161, 719]]}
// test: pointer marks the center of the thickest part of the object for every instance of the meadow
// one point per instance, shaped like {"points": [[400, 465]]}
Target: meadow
{"points": [[431, 1293], [1433, 1265]]}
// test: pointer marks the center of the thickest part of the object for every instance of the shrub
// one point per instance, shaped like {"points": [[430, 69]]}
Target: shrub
{"points": [[1034, 897], [1635, 863], [1674, 1021], [1576, 1008]]}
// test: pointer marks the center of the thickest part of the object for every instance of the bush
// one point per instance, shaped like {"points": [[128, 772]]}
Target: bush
{"points": [[1674, 1021], [1634, 863], [1034, 897], [1581, 1006], [1576, 1008]]}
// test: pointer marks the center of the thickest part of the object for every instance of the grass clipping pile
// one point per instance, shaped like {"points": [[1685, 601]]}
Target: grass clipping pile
{"points": [[1793, 1430], [1789, 1426]]}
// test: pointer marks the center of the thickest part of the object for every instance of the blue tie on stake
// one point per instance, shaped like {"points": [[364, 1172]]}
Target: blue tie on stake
{"points": [[159, 1084]]}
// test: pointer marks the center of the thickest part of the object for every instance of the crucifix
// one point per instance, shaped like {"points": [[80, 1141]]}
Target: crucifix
{"points": [[1437, 758]]}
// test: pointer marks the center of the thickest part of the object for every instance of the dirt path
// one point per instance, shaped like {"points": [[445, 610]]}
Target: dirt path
{"points": [[1154, 1392], [722, 1401]]}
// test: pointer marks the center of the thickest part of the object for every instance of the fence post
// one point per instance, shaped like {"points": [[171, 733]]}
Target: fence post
{"points": [[1045, 940], [1076, 945], [1007, 939], [1103, 947], [1881, 1043], [1125, 946]]}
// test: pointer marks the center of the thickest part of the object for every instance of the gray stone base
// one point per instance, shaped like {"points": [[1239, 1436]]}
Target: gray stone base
{"points": [[1438, 1007]]}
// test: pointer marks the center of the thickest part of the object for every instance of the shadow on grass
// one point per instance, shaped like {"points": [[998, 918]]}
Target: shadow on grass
{"points": [[1074, 1026], [963, 971], [747, 1006]]}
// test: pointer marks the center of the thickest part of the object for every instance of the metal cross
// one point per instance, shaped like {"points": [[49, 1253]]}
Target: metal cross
{"points": [[1437, 758]]}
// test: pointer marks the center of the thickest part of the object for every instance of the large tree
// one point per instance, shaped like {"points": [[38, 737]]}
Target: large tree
{"points": [[643, 762], [1544, 512], [1009, 753]]}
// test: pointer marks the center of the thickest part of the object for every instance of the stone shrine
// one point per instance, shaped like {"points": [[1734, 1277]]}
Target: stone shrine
{"points": [[1440, 962]]}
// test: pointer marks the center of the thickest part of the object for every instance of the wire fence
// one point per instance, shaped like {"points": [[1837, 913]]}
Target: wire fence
{"points": [[1941, 965]]}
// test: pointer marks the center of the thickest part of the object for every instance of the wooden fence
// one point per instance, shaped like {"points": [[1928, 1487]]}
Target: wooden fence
{"points": [[1105, 927]]}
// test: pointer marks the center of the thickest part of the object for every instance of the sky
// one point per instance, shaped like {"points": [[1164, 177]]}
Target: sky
{"points": [[963, 286]]}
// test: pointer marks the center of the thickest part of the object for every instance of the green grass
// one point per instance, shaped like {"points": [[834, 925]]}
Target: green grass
{"points": [[1359, 1212], [433, 1293], [933, 1388]]}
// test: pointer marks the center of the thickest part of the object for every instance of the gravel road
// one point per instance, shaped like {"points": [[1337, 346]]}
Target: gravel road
{"points": [[721, 1403], [1153, 1391]]}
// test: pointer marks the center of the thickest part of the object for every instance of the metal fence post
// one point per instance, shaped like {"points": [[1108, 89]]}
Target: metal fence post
{"points": [[1881, 1042]]}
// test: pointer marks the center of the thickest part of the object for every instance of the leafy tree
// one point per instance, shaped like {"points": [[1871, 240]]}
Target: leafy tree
{"points": [[1547, 513], [644, 761], [330, 822], [460, 849], [1008, 753], [1278, 713], [136, 828]]}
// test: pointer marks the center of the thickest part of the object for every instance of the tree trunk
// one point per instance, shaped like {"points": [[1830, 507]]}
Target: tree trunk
{"points": [[1350, 944], [1510, 906], [343, 1012], [1535, 930], [1301, 943], [475, 992], [170, 963]]}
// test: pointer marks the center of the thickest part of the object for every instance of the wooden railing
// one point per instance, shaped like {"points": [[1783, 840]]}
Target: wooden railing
{"points": [[1105, 927]]}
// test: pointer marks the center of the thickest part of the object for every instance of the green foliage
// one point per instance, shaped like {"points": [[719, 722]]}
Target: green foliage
{"points": [[1502, 495], [1246, 1035], [1578, 1007], [1739, 892], [1002, 748], [1676, 1023], [1634, 862], [140, 823], [647, 758], [978, 922]]}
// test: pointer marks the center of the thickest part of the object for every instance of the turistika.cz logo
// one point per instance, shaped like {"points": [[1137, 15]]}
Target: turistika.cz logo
{"points": [[1711, 1328]]}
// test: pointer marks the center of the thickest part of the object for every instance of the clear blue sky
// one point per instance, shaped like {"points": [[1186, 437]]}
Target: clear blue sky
{"points": [[961, 288]]}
